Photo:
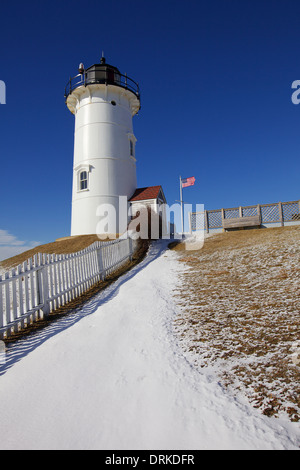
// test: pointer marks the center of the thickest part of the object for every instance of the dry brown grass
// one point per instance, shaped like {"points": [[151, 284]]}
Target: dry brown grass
{"points": [[240, 313]]}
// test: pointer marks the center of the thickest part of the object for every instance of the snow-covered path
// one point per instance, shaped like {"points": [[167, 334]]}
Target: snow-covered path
{"points": [[111, 376]]}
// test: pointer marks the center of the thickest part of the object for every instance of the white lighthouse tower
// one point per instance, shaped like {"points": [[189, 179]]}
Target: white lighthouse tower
{"points": [[104, 102]]}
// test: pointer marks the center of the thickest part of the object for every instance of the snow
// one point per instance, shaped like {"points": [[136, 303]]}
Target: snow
{"points": [[112, 376]]}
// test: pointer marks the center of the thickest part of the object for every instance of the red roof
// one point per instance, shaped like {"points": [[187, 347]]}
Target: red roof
{"points": [[141, 194]]}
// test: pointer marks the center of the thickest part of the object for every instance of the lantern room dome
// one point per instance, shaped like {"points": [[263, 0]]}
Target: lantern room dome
{"points": [[101, 73]]}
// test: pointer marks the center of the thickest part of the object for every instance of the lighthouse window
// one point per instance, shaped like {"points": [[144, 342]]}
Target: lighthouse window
{"points": [[83, 180], [131, 148]]}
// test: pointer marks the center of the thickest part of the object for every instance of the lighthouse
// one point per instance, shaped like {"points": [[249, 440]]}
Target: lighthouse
{"points": [[103, 101]]}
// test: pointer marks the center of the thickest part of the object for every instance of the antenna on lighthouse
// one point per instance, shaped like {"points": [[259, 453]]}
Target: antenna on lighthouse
{"points": [[102, 61]]}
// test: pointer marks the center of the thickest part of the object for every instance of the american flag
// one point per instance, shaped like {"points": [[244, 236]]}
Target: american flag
{"points": [[188, 182]]}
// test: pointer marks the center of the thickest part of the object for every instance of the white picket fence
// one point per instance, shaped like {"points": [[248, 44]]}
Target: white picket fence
{"points": [[45, 282]]}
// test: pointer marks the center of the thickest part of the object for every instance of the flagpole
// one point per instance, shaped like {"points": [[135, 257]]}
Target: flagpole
{"points": [[181, 202]]}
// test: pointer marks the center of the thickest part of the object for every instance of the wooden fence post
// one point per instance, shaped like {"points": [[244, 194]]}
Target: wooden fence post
{"points": [[130, 248], [100, 263], [46, 309], [7, 300], [206, 221], [280, 214], [259, 212], [43, 286], [223, 217]]}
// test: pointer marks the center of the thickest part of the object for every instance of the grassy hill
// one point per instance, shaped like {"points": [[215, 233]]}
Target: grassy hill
{"points": [[241, 313], [61, 246]]}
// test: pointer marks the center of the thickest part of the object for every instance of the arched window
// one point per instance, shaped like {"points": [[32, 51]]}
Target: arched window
{"points": [[131, 142], [83, 180], [83, 176]]}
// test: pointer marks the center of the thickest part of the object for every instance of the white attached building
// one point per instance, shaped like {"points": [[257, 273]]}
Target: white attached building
{"points": [[152, 197]]}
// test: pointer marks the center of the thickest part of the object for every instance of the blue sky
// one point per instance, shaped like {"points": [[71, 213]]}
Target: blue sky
{"points": [[215, 79]]}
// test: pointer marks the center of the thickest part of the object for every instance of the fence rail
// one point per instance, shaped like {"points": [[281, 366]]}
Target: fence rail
{"points": [[45, 282], [276, 214]]}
